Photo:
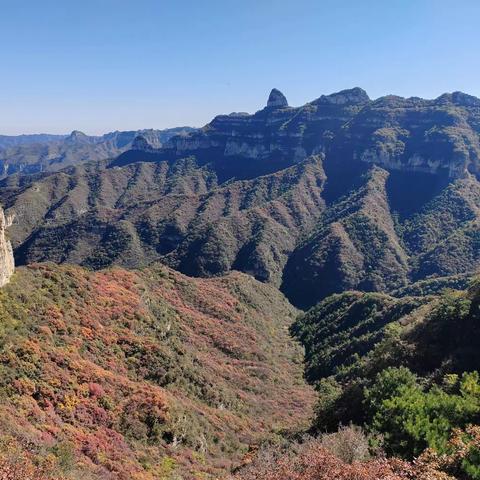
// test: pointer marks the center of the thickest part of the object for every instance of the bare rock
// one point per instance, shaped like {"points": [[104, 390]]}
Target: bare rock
{"points": [[7, 263], [277, 99]]}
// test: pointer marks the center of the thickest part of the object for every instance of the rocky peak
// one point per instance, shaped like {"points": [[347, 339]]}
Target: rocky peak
{"points": [[277, 99], [459, 98], [141, 143], [77, 137], [7, 264], [353, 96]]}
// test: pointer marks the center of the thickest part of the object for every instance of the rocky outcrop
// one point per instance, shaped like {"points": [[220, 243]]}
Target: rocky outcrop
{"points": [[277, 99], [7, 264], [78, 137], [141, 143]]}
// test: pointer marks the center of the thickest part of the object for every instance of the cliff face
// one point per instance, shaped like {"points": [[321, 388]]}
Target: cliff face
{"points": [[439, 136], [7, 264]]}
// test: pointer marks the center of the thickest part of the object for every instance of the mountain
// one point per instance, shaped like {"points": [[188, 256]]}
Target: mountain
{"points": [[39, 153], [147, 374], [246, 146], [342, 193], [147, 211], [435, 136], [116, 364], [15, 140]]}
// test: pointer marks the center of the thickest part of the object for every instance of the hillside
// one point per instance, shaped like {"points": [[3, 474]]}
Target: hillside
{"points": [[342, 193], [177, 213], [145, 374], [351, 337], [398, 389]]}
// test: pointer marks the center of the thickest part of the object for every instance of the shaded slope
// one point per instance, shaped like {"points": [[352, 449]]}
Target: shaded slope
{"points": [[350, 337], [175, 212], [355, 247], [343, 328]]}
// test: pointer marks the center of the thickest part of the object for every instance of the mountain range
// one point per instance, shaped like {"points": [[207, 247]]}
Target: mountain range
{"points": [[342, 193], [46, 153]]}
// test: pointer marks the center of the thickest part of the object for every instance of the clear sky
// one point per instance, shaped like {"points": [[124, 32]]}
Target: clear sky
{"points": [[102, 65]]}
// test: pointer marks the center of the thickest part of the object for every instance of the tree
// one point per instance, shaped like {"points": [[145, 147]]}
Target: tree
{"points": [[411, 419]]}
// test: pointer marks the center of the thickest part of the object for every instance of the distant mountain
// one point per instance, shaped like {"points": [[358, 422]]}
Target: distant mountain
{"points": [[342, 193], [46, 153], [15, 140]]}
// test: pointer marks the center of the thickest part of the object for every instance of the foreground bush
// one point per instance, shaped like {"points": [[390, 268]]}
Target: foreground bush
{"points": [[349, 444], [312, 461]]}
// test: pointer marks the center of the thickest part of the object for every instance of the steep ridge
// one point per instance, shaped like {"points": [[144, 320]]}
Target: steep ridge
{"points": [[443, 236], [361, 243], [356, 247], [145, 374], [256, 237], [174, 212]]}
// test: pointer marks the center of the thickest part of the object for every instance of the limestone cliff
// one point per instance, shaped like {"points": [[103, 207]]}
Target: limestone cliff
{"points": [[439, 136], [7, 264]]}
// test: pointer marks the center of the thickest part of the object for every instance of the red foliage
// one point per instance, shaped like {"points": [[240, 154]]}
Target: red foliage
{"points": [[311, 461], [95, 390], [130, 365]]}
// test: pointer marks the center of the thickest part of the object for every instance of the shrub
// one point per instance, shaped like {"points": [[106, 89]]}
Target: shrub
{"points": [[349, 444], [313, 462]]}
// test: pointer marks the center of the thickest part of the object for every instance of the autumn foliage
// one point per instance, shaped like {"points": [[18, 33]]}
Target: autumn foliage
{"points": [[124, 375], [315, 460]]}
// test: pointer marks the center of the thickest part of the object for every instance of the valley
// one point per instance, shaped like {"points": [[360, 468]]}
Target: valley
{"points": [[253, 299]]}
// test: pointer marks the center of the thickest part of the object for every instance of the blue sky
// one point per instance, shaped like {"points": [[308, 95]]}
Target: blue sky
{"points": [[102, 65]]}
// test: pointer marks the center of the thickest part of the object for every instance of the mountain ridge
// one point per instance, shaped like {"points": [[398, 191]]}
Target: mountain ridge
{"points": [[341, 112], [38, 153], [295, 196]]}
